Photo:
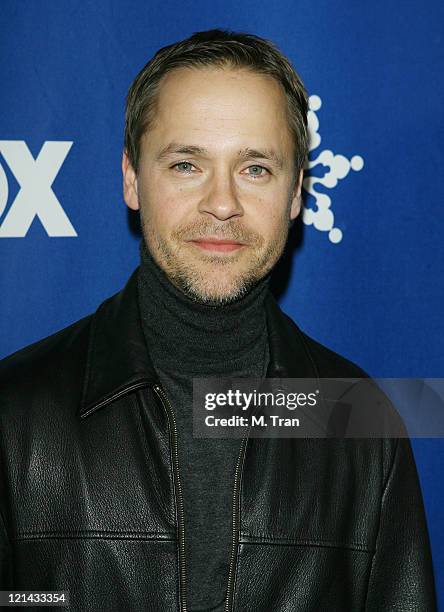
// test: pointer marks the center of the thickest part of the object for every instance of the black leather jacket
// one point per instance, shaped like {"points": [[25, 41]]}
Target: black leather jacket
{"points": [[90, 489]]}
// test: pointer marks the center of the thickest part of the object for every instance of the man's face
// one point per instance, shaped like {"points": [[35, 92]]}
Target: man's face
{"points": [[216, 185]]}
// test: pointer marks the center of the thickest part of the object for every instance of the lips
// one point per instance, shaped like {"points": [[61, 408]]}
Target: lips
{"points": [[214, 244]]}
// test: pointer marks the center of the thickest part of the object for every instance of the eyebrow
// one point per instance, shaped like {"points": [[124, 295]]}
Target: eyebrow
{"points": [[243, 154]]}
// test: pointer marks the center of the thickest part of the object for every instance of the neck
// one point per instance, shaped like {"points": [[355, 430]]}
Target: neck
{"points": [[195, 335]]}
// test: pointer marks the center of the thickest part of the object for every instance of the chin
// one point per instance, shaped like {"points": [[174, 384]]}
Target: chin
{"points": [[205, 290]]}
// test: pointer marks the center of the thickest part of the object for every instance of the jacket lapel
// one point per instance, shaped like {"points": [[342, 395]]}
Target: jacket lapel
{"points": [[117, 360], [290, 356]]}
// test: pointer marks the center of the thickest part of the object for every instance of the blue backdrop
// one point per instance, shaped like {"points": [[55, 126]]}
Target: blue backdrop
{"points": [[363, 274]]}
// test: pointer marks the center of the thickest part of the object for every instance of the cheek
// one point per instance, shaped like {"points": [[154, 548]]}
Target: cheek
{"points": [[164, 206], [269, 216]]}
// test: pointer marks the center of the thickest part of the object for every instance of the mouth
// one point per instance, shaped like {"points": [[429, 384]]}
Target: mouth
{"points": [[214, 244]]}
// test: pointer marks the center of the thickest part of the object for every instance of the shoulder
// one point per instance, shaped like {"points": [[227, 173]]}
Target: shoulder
{"points": [[373, 415], [50, 366], [299, 355], [371, 412], [330, 363]]}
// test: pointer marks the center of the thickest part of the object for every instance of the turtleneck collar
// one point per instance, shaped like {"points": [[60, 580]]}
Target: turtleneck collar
{"points": [[201, 338]]}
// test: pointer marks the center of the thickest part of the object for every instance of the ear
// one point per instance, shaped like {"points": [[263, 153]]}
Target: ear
{"points": [[129, 183], [296, 201]]}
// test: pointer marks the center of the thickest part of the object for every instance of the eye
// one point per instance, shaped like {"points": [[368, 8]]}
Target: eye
{"points": [[257, 171], [185, 167]]}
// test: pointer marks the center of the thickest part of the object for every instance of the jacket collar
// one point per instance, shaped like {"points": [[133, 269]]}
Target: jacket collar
{"points": [[118, 360]]}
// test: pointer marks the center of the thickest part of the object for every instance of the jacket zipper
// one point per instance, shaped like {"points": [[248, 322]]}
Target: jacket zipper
{"points": [[235, 533], [235, 523], [167, 406]]}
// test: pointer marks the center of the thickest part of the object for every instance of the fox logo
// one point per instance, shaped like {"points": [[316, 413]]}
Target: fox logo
{"points": [[35, 197]]}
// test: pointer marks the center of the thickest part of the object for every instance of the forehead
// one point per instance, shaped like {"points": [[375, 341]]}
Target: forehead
{"points": [[220, 106]]}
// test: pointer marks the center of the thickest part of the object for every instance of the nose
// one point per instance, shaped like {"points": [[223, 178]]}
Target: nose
{"points": [[221, 198]]}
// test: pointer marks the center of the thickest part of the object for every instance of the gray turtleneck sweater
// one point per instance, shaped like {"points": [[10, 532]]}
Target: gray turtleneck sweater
{"points": [[187, 339]]}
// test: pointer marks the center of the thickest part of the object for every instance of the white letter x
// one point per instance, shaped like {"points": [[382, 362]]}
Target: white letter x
{"points": [[35, 177]]}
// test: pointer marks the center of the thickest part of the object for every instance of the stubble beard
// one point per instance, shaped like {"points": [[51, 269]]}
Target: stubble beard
{"points": [[209, 278]]}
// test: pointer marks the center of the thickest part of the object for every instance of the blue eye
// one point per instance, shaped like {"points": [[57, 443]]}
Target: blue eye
{"points": [[256, 171], [184, 167]]}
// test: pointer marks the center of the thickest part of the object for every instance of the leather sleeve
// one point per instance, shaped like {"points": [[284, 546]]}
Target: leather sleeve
{"points": [[401, 576], [6, 570], [5, 558]]}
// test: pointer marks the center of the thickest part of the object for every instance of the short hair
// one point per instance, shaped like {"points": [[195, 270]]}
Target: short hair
{"points": [[221, 48]]}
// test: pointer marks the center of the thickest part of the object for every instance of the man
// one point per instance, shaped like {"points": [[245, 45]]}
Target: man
{"points": [[104, 491]]}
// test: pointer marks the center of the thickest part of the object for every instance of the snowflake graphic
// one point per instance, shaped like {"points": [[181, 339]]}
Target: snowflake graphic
{"points": [[322, 216]]}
